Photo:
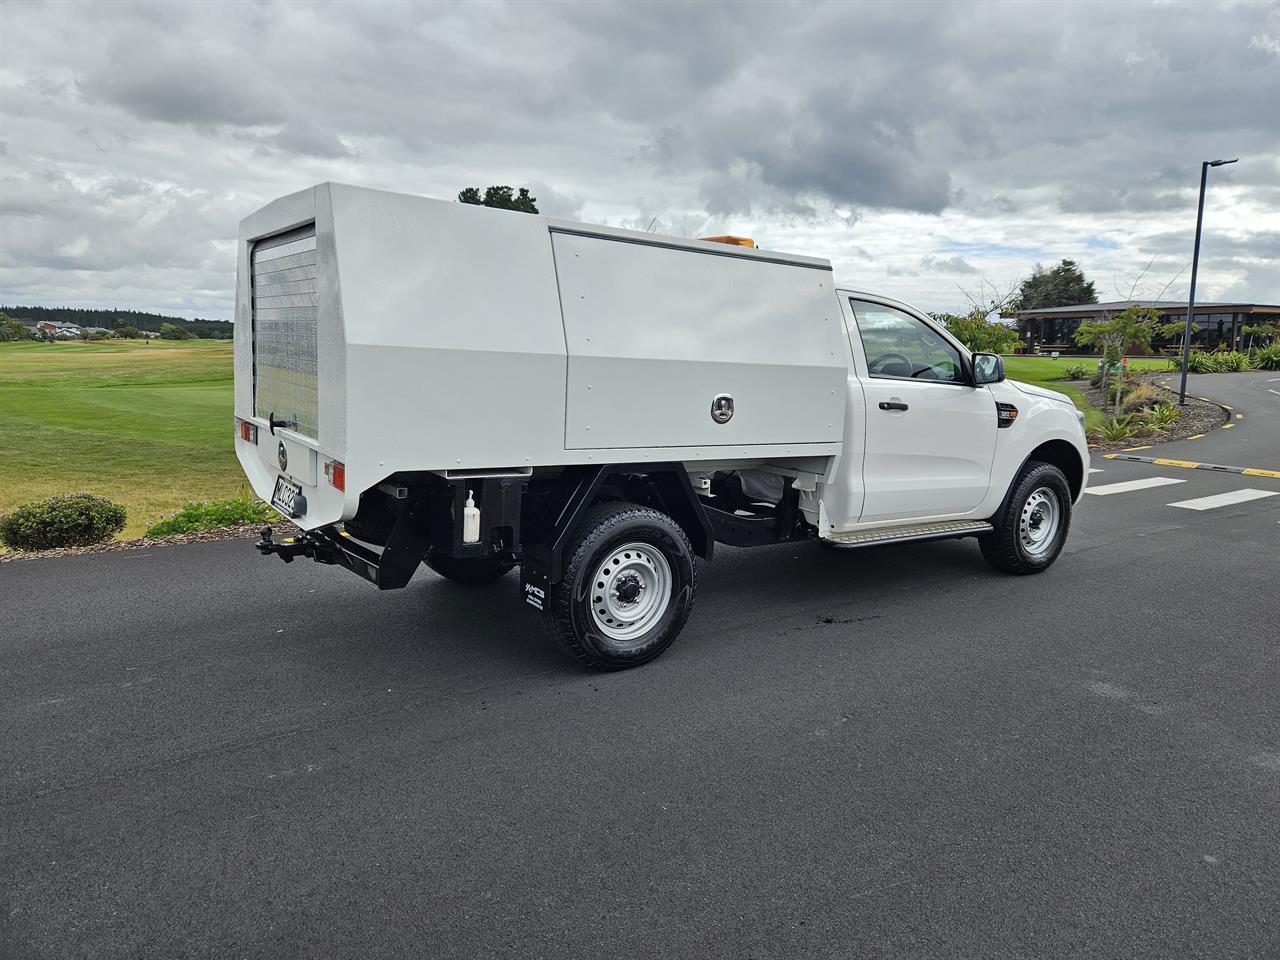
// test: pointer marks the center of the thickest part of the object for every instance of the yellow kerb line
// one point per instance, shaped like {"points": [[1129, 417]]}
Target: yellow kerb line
{"points": [[1227, 426], [1196, 436], [1132, 449], [1189, 464], [1261, 473], [1239, 416]]}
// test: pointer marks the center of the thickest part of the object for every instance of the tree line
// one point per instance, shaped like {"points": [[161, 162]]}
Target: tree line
{"points": [[120, 319]]}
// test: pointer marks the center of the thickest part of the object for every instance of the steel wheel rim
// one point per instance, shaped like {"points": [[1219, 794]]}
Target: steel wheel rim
{"points": [[1039, 522], [630, 592]]}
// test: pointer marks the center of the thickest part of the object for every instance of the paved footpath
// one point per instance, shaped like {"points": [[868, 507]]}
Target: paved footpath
{"points": [[889, 753]]}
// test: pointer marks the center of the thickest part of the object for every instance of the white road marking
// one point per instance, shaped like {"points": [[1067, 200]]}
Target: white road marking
{"points": [[1269, 390], [1125, 486], [1096, 470], [1224, 499]]}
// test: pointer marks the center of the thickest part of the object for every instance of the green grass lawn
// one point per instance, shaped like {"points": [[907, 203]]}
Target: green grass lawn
{"points": [[146, 423], [1047, 372], [149, 423]]}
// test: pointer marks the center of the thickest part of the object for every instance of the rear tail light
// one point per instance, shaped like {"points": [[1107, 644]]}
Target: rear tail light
{"points": [[337, 474], [248, 431]]}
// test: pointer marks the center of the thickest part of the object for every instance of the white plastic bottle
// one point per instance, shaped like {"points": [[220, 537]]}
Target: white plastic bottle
{"points": [[470, 521]]}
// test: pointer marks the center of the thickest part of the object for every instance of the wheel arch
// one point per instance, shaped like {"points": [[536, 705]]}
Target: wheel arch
{"points": [[1065, 457], [663, 486]]}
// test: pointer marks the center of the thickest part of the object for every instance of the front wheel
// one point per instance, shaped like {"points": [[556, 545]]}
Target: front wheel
{"points": [[1032, 524], [628, 587]]}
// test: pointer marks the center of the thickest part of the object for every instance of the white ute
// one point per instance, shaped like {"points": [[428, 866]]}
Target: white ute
{"points": [[421, 381]]}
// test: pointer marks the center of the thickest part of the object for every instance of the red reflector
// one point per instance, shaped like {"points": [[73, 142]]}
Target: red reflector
{"points": [[248, 431], [338, 475]]}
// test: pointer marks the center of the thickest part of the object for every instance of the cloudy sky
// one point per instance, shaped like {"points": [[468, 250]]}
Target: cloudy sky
{"points": [[922, 147]]}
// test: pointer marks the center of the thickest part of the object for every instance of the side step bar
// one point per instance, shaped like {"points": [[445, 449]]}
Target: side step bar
{"points": [[946, 530]]}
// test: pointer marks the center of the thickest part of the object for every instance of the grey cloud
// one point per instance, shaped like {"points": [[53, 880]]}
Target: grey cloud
{"points": [[158, 85], [1218, 239], [301, 139], [956, 264], [1082, 198], [553, 203], [1257, 283], [139, 133]]}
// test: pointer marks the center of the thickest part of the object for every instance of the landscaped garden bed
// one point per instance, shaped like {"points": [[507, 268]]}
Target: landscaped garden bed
{"points": [[1149, 414]]}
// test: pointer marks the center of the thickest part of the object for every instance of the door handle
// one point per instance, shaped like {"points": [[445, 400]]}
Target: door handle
{"points": [[892, 405]]}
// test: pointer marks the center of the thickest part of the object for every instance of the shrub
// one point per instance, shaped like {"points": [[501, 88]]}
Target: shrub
{"points": [[1201, 362], [978, 333], [1119, 428], [1139, 396], [211, 515], [1227, 362], [1127, 381], [1233, 362], [1162, 416], [1268, 358], [171, 331], [76, 520], [1077, 371]]}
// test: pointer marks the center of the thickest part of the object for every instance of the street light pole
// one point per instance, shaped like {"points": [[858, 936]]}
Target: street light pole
{"points": [[1195, 266]]}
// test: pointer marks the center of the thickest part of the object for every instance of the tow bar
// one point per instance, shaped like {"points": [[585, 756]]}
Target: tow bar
{"points": [[289, 547], [389, 570]]}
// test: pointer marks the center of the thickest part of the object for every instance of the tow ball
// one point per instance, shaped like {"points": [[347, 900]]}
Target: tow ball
{"points": [[286, 548]]}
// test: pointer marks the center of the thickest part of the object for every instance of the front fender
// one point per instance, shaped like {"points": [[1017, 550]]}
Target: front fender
{"points": [[1042, 424]]}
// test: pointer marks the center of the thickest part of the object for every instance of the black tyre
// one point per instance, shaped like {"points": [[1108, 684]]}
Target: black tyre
{"points": [[468, 569], [1032, 524], [628, 587]]}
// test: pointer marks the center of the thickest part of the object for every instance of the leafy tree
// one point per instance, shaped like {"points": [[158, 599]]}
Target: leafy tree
{"points": [[1176, 329], [112, 319], [1267, 331], [11, 329], [1063, 286], [1131, 327], [126, 332], [171, 331], [500, 197], [978, 333]]}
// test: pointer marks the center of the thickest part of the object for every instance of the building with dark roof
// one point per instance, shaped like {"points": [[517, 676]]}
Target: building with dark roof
{"points": [[1054, 328]]}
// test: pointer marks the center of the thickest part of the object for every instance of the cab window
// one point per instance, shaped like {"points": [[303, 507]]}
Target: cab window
{"points": [[901, 347]]}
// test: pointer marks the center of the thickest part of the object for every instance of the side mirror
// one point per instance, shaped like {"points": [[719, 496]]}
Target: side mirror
{"points": [[987, 368]]}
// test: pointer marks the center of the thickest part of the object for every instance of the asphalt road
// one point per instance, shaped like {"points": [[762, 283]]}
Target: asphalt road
{"points": [[1252, 434], [879, 753]]}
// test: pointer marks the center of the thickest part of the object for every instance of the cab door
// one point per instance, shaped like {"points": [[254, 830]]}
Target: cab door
{"points": [[930, 435]]}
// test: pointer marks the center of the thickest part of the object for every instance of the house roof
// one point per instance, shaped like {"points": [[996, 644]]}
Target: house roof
{"points": [[1164, 306]]}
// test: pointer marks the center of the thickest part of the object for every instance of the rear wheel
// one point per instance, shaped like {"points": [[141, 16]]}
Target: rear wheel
{"points": [[468, 569], [1033, 522], [628, 587]]}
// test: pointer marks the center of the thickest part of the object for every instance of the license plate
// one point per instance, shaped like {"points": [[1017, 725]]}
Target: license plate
{"points": [[286, 497]]}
